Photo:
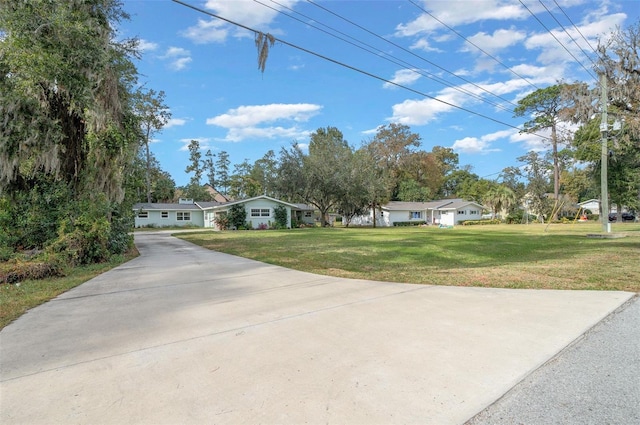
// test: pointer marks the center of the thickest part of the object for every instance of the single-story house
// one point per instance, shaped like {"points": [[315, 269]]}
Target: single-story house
{"points": [[260, 211], [592, 205], [446, 212]]}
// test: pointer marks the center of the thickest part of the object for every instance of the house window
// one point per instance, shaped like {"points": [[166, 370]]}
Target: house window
{"points": [[260, 212], [473, 212], [461, 212], [415, 214], [308, 214], [164, 214], [183, 216], [143, 214]]}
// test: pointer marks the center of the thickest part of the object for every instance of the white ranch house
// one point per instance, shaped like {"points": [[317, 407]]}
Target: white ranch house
{"points": [[444, 212], [260, 211]]}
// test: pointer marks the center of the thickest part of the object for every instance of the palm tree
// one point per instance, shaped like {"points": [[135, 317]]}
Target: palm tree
{"points": [[499, 197]]}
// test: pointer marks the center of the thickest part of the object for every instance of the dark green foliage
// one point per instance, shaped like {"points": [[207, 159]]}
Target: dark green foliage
{"points": [[280, 215], [408, 223], [237, 216]]}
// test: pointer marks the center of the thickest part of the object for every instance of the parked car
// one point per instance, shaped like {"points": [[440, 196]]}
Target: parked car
{"points": [[626, 216]]}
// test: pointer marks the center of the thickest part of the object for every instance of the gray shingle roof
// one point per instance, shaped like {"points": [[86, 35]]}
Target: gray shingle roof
{"points": [[441, 204]]}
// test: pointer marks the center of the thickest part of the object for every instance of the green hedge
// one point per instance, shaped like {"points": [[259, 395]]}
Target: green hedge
{"points": [[409, 223], [480, 222]]}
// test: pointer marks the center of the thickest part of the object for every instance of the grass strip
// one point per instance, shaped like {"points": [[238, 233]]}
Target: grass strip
{"points": [[16, 299]]}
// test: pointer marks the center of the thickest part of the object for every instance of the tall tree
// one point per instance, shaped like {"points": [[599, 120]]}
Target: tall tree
{"points": [[291, 183], [65, 87], [536, 171], [209, 168], [67, 116], [326, 169], [392, 147], [241, 184], [194, 189], [618, 60], [264, 172], [457, 184], [153, 114], [222, 172], [196, 165], [546, 107], [623, 162]]}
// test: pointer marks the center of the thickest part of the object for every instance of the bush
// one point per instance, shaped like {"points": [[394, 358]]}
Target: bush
{"points": [[409, 223], [280, 214], [15, 271], [480, 222], [237, 216], [222, 222]]}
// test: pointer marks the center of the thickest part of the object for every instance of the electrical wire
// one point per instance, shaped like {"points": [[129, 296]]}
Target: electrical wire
{"points": [[382, 55], [570, 36], [577, 29], [508, 68], [556, 38], [353, 68], [410, 52]]}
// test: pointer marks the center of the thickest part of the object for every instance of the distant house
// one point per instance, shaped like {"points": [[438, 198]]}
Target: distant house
{"points": [[215, 195], [592, 205], [260, 211], [446, 212]]}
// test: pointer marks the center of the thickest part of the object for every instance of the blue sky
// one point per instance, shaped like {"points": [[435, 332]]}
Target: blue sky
{"points": [[481, 56]]}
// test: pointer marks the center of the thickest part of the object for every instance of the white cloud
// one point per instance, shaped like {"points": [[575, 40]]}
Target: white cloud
{"points": [[178, 58], [203, 141], [424, 111], [403, 77], [423, 44], [493, 43], [482, 145], [245, 12], [471, 11], [212, 31], [180, 63], [531, 142], [146, 46], [552, 51], [175, 122], [248, 122]]}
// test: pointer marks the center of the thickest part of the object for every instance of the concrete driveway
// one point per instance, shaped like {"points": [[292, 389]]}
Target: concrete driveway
{"points": [[185, 335]]}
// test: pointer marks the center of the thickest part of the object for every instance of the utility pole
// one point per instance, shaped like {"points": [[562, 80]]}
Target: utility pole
{"points": [[604, 128]]}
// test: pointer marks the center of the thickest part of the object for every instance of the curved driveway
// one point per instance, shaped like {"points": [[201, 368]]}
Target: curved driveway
{"points": [[186, 335]]}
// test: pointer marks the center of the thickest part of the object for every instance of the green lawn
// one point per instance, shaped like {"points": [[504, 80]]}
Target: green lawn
{"points": [[508, 256]]}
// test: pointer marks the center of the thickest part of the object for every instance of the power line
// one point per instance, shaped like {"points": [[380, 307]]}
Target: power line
{"points": [[577, 29], [556, 38], [353, 68], [475, 45], [380, 54], [569, 35], [410, 52]]}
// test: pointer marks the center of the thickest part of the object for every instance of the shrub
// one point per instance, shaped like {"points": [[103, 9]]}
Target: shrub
{"points": [[480, 222], [280, 214], [237, 216], [409, 223], [15, 271], [222, 221]]}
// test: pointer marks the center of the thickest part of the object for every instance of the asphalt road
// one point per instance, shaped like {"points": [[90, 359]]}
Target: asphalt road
{"points": [[185, 335], [594, 381]]}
